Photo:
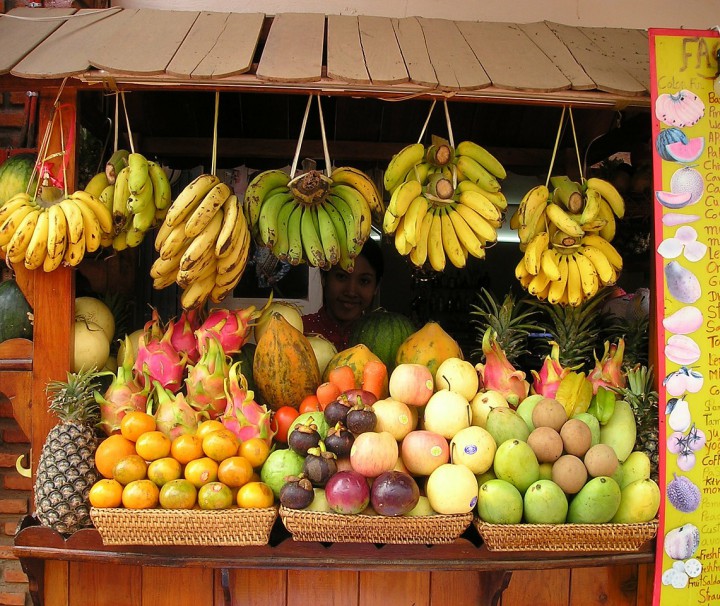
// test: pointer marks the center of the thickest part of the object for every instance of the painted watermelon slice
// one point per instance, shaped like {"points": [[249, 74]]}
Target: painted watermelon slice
{"points": [[671, 200], [686, 152]]}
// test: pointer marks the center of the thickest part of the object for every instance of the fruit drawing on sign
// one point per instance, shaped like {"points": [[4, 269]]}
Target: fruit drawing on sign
{"points": [[683, 494], [680, 109], [686, 189], [679, 414], [683, 380], [681, 349], [686, 445], [685, 243], [682, 283]]}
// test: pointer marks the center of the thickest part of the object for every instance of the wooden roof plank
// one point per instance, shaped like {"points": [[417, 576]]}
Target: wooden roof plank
{"points": [[146, 44], [294, 49], [455, 64], [511, 59], [383, 57], [628, 47], [65, 51], [345, 57], [218, 45], [546, 40], [608, 75], [22, 29], [411, 39]]}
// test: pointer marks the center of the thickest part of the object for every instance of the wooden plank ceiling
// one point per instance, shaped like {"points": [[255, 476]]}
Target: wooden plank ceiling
{"points": [[412, 55]]}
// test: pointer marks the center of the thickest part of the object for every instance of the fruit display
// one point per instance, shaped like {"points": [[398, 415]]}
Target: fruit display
{"points": [[15, 311], [445, 203], [566, 239], [314, 218]]}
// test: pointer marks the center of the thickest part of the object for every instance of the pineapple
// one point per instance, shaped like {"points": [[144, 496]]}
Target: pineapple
{"points": [[66, 470], [512, 320]]}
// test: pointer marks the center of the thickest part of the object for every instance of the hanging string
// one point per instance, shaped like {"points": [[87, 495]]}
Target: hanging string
{"points": [[213, 162], [117, 118], [300, 138], [577, 149], [451, 140], [127, 122], [555, 148], [328, 170], [427, 120]]}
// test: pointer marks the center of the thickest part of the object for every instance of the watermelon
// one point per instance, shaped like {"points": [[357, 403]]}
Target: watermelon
{"points": [[673, 200], [14, 310], [15, 175], [666, 137], [382, 332], [686, 152]]}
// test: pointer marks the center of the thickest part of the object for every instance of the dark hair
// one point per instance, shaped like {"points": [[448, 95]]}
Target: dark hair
{"points": [[373, 253]]}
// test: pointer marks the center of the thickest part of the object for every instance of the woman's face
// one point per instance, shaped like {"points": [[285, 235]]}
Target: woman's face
{"points": [[348, 295]]}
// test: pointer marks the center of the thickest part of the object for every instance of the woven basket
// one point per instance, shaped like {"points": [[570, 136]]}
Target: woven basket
{"points": [[328, 527], [236, 526], [565, 537]]}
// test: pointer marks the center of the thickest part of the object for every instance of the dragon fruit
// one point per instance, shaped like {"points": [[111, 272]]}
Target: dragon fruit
{"points": [[243, 416], [498, 374], [608, 371], [547, 380], [231, 326], [205, 381], [159, 360], [122, 396], [183, 335], [173, 415]]}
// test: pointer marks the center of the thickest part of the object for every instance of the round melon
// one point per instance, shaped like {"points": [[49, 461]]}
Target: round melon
{"points": [[15, 175], [14, 310], [686, 152], [383, 332], [666, 137]]}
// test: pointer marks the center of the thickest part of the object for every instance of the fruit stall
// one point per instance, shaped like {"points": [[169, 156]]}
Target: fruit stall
{"points": [[191, 444]]}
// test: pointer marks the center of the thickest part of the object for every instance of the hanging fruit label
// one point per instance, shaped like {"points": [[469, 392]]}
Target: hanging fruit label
{"points": [[685, 95]]}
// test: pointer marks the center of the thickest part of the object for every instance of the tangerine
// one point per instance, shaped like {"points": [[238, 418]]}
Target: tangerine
{"points": [[135, 423], [162, 471], [257, 495], [178, 494], [186, 447], [220, 444], [235, 471], [106, 493], [153, 445], [255, 450], [214, 495], [208, 425], [110, 451], [141, 494], [201, 471], [129, 468]]}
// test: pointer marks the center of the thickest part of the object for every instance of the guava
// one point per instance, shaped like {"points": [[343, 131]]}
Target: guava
{"points": [[279, 465]]}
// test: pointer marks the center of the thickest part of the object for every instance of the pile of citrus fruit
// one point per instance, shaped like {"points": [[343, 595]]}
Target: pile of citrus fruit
{"points": [[143, 468]]}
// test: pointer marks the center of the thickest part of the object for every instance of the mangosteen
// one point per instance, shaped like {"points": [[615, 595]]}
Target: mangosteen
{"points": [[361, 418], [337, 410], [339, 440], [297, 492], [320, 465], [304, 437]]}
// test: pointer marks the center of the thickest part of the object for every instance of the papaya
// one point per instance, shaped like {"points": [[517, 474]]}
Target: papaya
{"points": [[429, 346], [285, 369], [355, 357]]}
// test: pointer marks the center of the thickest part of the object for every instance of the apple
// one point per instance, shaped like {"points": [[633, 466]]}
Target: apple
{"points": [[473, 447], [424, 451], [452, 489], [457, 375], [483, 403], [400, 465], [394, 417], [412, 384], [447, 412], [374, 452]]}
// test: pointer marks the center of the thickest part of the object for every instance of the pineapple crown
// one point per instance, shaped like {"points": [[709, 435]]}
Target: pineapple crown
{"points": [[73, 400]]}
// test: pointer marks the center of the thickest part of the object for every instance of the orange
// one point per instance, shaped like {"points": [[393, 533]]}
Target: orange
{"points": [[106, 493], [186, 447], [178, 494], [205, 427], [110, 451], [135, 423], [201, 471], [257, 495], [153, 445], [129, 468], [220, 444], [235, 471], [141, 494], [162, 471], [215, 495], [255, 450]]}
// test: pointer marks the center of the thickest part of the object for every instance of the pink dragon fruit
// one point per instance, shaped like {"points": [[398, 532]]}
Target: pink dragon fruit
{"points": [[159, 360], [173, 415], [183, 335], [498, 374], [123, 395], [608, 371], [205, 381], [231, 326], [547, 380], [243, 416]]}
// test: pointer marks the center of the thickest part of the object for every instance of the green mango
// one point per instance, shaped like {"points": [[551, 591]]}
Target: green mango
{"points": [[620, 431], [596, 503], [636, 467], [545, 503], [526, 407], [499, 502], [639, 502]]}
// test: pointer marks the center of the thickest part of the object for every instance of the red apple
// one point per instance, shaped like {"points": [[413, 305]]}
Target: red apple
{"points": [[374, 452], [412, 384], [424, 451]]}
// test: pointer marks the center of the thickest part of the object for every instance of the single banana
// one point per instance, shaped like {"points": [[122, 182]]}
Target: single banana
{"points": [[107, 197], [483, 229], [206, 209], [534, 251], [164, 281], [185, 277], [522, 274], [75, 223], [451, 243], [532, 207], [359, 207], [401, 163], [145, 219], [258, 189], [166, 267], [435, 250], [228, 266], [401, 243], [75, 249], [591, 210], [470, 169], [418, 255], [365, 185], [97, 184], [267, 224], [608, 230], [312, 244], [353, 229], [328, 235], [563, 221], [57, 238], [134, 236], [481, 205], [121, 194], [120, 241], [413, 219], [138, 203], [12, 222], [97, 207], [340, 230], [574, 282], [20, 240], [559, 286], [138, 177], [538, 284], [295, 247], [549, 264], [174, 241], [597, 241], [226, 282], [419, 172], [91, 226], [203, 245], [233, 221], [12, 204], [36, 250], [197, 293], [482, 156], [164, 230], [467, 237], [188, 199], [162, 190], [497, 197], [588, 275], [608, 191], [600, 262]]}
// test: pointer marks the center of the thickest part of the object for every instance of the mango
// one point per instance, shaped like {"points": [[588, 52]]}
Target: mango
{"points": [[515, 462], [639, 502], [620, 431], [504, 423], [596, 503], [499, 502], [545, 503], [636, 467]]}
